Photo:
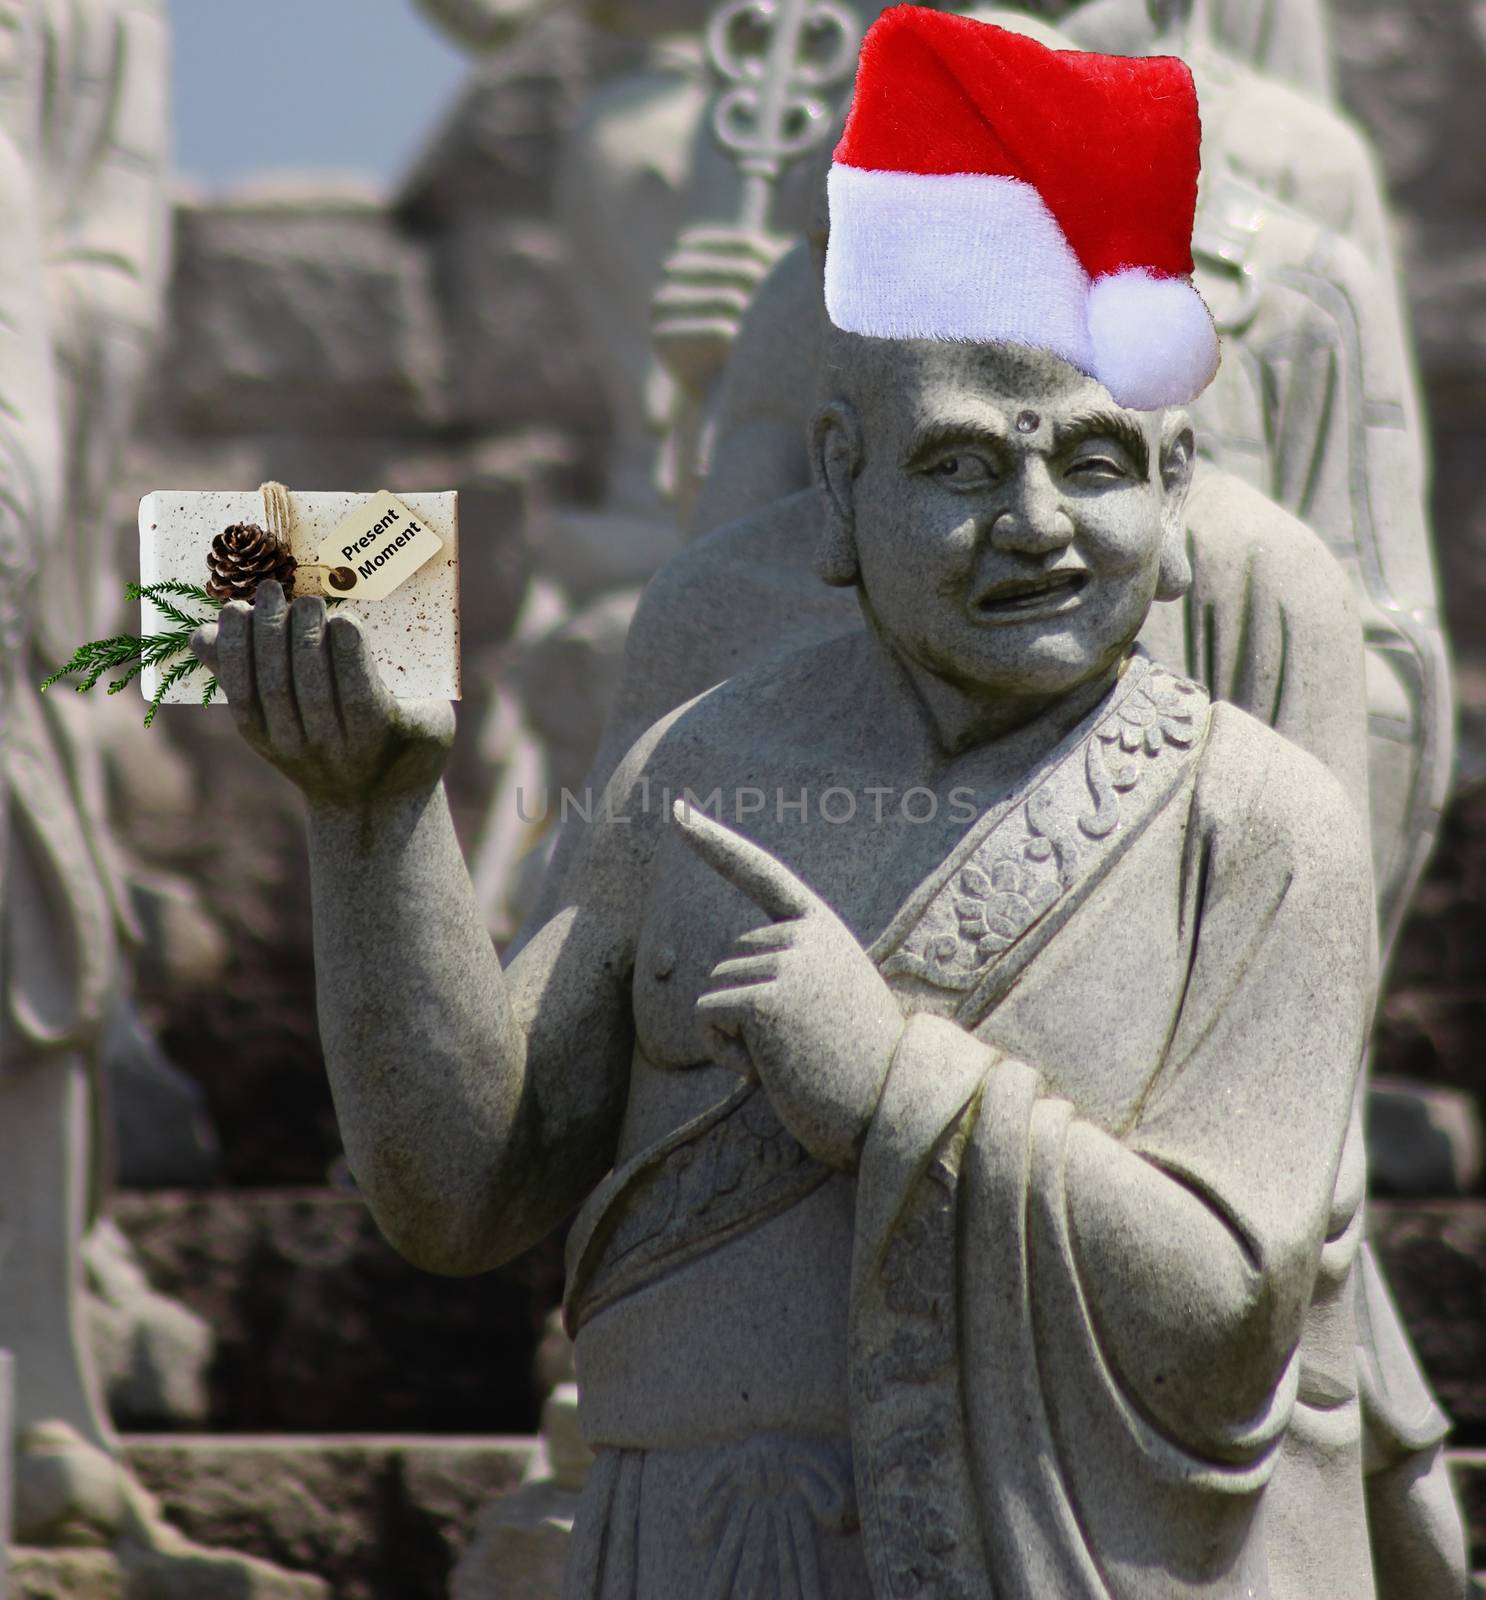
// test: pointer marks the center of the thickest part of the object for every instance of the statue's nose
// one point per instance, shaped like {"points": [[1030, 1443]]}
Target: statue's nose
{"points": [[1034, 521]]}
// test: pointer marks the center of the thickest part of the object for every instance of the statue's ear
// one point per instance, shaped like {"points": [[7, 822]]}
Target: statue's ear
{"points": [[1178, 457], [835, 460]]}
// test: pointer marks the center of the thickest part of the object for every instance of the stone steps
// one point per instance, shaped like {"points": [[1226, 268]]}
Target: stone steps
{"points": [[378, 1517], [1468, 1467], [387, 1518], [1434, 1255], [322, 1328]]}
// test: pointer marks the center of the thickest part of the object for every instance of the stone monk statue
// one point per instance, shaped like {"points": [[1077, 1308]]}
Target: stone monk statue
{"points": [[965, 1116], [982, 1190]]}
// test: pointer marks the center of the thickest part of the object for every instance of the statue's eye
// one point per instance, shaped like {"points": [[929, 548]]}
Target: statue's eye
{"points": [[1098, 465], [962, 470]]}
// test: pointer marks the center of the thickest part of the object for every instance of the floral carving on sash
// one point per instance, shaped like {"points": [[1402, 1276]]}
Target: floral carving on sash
{"points": [[1068, 826]]}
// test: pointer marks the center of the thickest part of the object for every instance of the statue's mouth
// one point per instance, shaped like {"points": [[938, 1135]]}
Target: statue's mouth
{"points": [[1028, 597]]}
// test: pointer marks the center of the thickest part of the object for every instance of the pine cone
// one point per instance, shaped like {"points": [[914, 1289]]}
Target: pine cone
{"points": [[242, 557]]}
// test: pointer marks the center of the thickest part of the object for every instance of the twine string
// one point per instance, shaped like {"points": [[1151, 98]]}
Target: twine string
{"points": [[278, 512], [278, 521]]}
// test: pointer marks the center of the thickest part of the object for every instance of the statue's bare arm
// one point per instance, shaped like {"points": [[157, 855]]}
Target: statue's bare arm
{"points": [[477, 1107]]}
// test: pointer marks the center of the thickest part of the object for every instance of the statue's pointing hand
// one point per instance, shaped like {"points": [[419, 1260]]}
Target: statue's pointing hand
{"points": [[307, 697], [800, 996]]}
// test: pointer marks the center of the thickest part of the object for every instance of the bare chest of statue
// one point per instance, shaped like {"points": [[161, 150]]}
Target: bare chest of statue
{"points": [[732, 1238]]}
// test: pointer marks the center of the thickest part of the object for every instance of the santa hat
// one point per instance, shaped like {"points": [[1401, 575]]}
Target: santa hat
{"points": [[990, 189]]}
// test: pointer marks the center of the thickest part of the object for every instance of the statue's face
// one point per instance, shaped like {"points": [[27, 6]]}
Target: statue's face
{"points": [[1009, 520]]}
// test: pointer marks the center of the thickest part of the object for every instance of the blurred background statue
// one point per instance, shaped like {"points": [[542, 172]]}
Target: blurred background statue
{"points": [[86, 179], [83, 167]]}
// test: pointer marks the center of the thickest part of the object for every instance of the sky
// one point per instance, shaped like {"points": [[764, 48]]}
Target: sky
{"points": [[332, 85]]}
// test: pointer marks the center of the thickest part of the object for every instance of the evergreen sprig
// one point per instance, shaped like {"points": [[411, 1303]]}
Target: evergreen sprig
{"points": [[133, 652]]}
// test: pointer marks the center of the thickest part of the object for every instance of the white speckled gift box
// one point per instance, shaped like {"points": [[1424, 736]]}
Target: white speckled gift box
{"points": [[413, 632]]}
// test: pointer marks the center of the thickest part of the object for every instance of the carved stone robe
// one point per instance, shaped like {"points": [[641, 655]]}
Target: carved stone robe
{"points": [[83, 121], [1102, 1324]]}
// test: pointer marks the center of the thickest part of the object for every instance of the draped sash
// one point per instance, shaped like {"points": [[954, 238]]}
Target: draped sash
{"points": [[957, 944]]}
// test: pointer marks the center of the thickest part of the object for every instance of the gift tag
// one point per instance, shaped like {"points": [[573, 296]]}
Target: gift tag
{"points": [[378, 547], [412, 631]]}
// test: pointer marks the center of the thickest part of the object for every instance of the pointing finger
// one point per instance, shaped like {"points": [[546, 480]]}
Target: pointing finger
{"points": [[767, 882], [742, 971], [775, 936]]}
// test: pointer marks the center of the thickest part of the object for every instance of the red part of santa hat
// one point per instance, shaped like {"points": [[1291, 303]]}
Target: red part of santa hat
{"points": [[988, 188]]}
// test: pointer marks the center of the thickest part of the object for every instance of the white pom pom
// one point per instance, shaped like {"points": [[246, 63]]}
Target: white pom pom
{"points": [[1153, 338]]}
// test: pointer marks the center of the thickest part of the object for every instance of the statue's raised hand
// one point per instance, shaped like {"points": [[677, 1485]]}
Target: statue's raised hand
{"points": [[706, 286], [306, 696], [800, 997]]}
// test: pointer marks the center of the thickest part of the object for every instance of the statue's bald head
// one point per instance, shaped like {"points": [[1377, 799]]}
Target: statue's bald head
{"points": [[1006, 524], [887, 385], [865, 372], [947, 469]]}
